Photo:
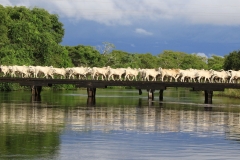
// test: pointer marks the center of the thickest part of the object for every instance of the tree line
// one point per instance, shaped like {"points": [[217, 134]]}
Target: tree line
{"points": [[33, 36]]}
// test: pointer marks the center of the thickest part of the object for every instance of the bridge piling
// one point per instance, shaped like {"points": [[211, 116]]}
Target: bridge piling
{"points": [[208, 96], [36, 90], [161, 95], [150, 94], [91, 92]]}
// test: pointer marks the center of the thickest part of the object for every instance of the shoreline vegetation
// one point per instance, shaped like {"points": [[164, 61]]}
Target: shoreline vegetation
{"points": [[232, 93]]}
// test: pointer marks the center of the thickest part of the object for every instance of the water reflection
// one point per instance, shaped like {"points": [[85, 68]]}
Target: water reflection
{"points": [[91, 101], [153, 119], [36, 98], [28, 132], [46, 130], [47, 118]]}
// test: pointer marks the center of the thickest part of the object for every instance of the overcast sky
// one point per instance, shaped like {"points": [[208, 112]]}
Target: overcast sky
{"points": [[210, 27]]}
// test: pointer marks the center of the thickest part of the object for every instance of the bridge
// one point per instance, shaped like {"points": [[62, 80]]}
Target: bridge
{"points": [[36, 85]]}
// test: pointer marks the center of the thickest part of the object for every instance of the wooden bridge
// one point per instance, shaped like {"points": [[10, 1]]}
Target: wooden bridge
{"points": [[151, 86]]}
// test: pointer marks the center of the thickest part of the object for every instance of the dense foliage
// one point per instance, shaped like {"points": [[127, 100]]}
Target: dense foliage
{"points": [[31, 37], [232, 61]]}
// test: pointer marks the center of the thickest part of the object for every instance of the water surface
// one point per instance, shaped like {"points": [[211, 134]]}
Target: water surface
{"points": [[119, 124]]}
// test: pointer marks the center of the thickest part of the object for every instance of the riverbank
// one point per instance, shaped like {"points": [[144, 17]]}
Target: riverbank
{"points": [[234, 93]]}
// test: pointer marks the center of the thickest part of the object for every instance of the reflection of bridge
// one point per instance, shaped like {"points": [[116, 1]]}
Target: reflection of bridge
{"points": [[151, 86]]}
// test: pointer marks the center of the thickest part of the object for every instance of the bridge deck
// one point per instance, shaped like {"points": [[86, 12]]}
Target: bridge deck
{"points": [[157, 85]]}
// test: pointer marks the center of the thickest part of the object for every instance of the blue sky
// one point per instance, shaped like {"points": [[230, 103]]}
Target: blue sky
{"points": [[148, 26]]}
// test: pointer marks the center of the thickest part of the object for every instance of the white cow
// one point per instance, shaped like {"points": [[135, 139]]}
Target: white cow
{"points": [[171, 73], [23, 71], [204, 74], [189, 74], [129, 72], [61, 72], [78, 71], [45, 70], [5, 70], [147, 73], [221, 75], [116, 72], [96, 71], [235, 75]]}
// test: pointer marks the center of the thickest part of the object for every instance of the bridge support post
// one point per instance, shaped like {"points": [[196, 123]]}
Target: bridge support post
{"points": [[208, 96], [36, 93], [91, 92], [161, 95], [150, 94], [36, 90]]}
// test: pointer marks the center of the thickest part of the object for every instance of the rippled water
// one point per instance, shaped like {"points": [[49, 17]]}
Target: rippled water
{"points": [[120, 125]]}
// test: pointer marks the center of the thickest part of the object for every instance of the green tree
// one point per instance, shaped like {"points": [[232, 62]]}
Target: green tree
{"points": [[232, 61], [147, 60], [194, 61], [121, 59], [216, 62], [31, 37], [85, 56], [171, 59]]}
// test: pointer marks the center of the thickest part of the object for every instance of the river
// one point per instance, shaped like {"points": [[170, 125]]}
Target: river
{"points": [[120, 124]]}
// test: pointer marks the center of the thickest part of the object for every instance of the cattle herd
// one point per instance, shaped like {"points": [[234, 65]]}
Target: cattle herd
{"points": [[127, 74]]}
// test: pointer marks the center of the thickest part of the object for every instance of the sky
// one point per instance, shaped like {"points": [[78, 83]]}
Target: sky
{"points": [[205, 27]]}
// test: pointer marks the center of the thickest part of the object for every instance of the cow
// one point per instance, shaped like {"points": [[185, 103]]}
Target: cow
{"points": [[129, 72], [5, 70], [222, 75], [172, 73], [62, 72], [96, 71], [189, 74], [47, 71], [204, 74], [78, 71], [116, 72], [147, 73], [235, 75], [23, 71]]}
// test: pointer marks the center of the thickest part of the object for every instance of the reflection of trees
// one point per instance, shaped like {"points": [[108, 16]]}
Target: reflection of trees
{"points": [[31, 131], [152, 119], [29, 145], [28, 131]]}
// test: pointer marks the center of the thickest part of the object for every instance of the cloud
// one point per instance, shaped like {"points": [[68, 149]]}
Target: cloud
{"points": [[143, 32], [202, 55], [125, 12]]}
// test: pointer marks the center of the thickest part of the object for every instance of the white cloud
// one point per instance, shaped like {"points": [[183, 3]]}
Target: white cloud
{"points": [[143, 32], [202, 55], [132, 45], [125, 12]]}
